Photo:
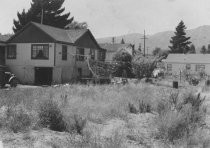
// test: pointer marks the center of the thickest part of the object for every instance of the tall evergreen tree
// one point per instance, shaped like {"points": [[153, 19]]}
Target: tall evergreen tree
{"points": [[208, 50], [51, 10], [179, 42], [157, 51], [192, 49], [203, 50], [122, 41]]}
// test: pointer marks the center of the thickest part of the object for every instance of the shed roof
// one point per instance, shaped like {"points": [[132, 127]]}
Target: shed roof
{"points": [[188, 58], [114, 47]]}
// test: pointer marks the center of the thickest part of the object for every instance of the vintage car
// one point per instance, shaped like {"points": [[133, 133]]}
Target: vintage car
{"points": [[7, 77]]}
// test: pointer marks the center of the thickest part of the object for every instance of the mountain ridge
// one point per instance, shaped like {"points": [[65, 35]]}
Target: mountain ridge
{"points": [[199, 36]]}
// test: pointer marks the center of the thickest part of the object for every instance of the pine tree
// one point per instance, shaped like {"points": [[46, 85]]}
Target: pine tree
{"points": [[203, 50], [157, 51], [52, 14], [192, 49], [179, 42], [122, 41]]}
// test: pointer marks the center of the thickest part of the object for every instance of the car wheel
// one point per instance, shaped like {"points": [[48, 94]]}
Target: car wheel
{"points": [[2, 85]]}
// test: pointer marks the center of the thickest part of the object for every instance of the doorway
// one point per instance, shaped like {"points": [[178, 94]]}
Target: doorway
{"points": [[43, 75], [2, 55]]}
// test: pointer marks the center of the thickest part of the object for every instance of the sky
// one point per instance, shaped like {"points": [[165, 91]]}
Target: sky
{"points": [[118, 17]]}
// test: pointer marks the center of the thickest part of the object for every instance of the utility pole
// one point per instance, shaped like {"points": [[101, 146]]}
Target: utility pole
{"points": [[42, 15], [144, 38]]}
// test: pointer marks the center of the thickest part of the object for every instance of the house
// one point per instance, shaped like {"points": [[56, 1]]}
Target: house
{"points": [[113, 48], [41, 54], [193, 62], [3, 39]]}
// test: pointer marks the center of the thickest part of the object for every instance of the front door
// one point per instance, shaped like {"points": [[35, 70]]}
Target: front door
{"points": [[2, 55], [43, 76]]}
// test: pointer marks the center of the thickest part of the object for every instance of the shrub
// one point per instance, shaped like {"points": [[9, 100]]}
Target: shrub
{"points": [[171, 126], [79, 124], [207, 82], [123, 67], [178, 120], [195, 101], [132, 108], [17, 119], [144, 69], [144, 107], [162, 106], [51, 116]]}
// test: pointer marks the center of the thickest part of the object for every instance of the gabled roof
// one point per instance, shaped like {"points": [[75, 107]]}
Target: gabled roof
{"points": [[114, 47], [62, 35], [57, 34], [188, 58]]}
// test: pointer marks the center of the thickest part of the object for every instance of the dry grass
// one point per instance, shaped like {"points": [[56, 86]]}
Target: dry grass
{"points": [[80, 104], [95, 103]]}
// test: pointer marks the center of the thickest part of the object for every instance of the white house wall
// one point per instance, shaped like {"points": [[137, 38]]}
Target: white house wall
{"points": [[68, 69], [63, 70], [23, 66], [83, 64], [109, 56], [176, 67]]}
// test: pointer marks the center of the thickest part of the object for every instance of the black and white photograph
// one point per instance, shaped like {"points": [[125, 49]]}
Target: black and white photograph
{"points": [[104, 74]]}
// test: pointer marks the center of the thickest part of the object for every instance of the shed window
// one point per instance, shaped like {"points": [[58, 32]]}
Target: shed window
{"points": [[40, 51], [80, 54], [188, 66], [199, 67], [101, 55], [64, 52], [11, 52], [169, 67]]}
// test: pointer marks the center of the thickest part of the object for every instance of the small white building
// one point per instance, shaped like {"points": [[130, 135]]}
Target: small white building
{"points": [[41, 54], [193, 62]]}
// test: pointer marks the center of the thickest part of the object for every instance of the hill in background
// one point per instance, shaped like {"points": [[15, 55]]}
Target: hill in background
{"points": [[199, 36]]}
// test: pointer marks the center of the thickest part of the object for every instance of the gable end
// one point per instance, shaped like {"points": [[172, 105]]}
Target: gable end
{"points": [[31, 34]]}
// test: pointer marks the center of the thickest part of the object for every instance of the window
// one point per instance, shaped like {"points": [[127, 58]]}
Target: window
{"points": [[11, 52], [101, 55], [80, 54], [169, 67], [64, 52], [92, 54], [40, 51], [188, 66], [199, 67]]}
